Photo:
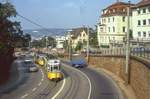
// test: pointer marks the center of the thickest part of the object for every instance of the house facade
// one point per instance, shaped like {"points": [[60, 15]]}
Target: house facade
{"points": [[79, 35], [141, 22], [60, 41], [112, 26]]}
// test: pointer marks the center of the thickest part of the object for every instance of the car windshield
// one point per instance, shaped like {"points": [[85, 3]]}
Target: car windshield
{"points": [[28, 62]]}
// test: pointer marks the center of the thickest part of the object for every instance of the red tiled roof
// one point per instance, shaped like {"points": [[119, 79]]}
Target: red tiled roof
{"points": [[118, 8], [142, 3]]}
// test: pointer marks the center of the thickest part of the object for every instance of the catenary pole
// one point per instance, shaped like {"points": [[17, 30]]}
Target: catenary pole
{"points": [[128, 43]]}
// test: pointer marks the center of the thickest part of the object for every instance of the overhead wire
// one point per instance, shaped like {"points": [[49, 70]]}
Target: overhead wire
{"points": [[27, 19]]}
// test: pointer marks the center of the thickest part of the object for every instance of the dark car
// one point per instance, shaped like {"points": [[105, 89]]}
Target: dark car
{"points": [[78, 63]]}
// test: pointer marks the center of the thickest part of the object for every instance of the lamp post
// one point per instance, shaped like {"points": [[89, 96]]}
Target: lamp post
{"points": [[70, 45], [46, 43], [87, 44], [128, 44]]}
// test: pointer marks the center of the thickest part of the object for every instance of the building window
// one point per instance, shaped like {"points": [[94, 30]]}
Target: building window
{"points": [[113, 19], [101, 29], [149, 21], [109, 29], [148, 9], [144, 34], [123, 19], [144, 10], [139, 22], [139, 11], [124, 29], [149, 33], [108, 19], [104, 20], [139, 34], [144, 22], [113, 29]]}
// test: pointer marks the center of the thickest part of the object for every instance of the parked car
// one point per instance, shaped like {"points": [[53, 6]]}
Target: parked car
{"points": [[31, 66], [140, 49], [78, 63]]}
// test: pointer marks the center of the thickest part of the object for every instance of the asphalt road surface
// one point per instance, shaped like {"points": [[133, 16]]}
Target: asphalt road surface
{"points": [[77, 84]]}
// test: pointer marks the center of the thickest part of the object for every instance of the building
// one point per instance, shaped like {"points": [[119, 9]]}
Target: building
{"points": [[79, 35], [112, 26], [141, 23], [60, 41]]}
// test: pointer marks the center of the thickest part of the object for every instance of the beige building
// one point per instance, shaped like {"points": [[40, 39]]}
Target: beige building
{"points": [[141, 22], [112, 27], [79, 35]]}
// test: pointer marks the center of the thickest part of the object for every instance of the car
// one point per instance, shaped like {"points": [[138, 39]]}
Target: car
{"points": [[78, 63], [31, 66]]}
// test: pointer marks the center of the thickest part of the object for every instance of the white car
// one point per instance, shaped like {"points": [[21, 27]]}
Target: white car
{"points": [[31, 67]]}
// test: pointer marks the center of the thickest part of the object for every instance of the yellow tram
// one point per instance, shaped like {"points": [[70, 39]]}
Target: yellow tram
{"points": [[41, 60], [54, 70]]}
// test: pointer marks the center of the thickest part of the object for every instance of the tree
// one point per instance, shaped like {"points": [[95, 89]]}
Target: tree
{"points": [[79, 46], [51, 41], [42, 42], [93, 39], [8, 33], [8, 29]]}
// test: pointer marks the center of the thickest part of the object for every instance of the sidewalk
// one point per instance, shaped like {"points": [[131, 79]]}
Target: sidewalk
{"points": [[15, 78]]}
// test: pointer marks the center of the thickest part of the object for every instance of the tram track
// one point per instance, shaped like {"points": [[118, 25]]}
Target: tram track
{"points": [[73, 88]]}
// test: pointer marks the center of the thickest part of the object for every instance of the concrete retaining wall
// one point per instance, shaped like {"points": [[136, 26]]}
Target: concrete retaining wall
{"points": [[139, 77]]}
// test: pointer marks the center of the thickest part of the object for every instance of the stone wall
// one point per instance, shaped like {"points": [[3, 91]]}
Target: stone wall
{"points": [[139, 77]]}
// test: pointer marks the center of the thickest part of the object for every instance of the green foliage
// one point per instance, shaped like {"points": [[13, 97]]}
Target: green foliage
{"points": [[79, 46], [93, 39], [42, 43], [10, 31], [104, 46]]}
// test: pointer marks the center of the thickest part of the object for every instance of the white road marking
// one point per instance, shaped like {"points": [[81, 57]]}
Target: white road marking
{"points": [[90, 85], [34, 89], [24, 96], [39, 84], [60, 90], [42, 79]]}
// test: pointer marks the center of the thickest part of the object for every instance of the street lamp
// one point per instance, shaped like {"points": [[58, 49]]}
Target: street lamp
{"points": [[70, 45], [88, 44], [128, 44]]}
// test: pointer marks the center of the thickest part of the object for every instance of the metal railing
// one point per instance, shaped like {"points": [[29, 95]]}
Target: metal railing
{"points": [[140, 52]]}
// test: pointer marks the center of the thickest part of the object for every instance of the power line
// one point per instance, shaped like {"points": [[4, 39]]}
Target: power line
{"points": [[32, 22]]}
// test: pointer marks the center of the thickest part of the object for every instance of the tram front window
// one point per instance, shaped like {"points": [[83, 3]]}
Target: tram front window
{"points": [[55, 68]]}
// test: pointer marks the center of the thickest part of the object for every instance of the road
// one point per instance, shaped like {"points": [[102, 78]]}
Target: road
{"points": [[82, 83]]}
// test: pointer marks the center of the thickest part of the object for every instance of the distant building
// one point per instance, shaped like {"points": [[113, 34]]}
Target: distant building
{"points": [[141, 23], [112, 26], [79, 35], [60, 41]]}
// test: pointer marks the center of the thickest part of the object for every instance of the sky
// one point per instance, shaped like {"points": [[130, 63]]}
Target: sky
{"points": [[61, 13]]}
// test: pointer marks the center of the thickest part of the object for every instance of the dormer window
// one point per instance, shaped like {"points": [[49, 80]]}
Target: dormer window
{"points": [[114, 10], [123, 10]]}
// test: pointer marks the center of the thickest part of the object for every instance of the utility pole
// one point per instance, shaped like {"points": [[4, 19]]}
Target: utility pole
{"points": [[87, 52], [46, 43], [128, 44], [70, 46]]}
